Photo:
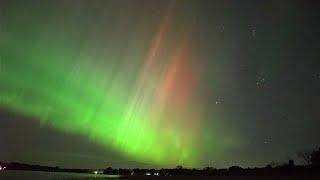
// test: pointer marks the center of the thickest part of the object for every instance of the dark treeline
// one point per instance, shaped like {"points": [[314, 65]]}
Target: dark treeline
{"points": [[29, 167], [310, 158]]}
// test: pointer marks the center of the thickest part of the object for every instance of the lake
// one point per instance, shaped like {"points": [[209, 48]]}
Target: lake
{"points": [[37, 175]]}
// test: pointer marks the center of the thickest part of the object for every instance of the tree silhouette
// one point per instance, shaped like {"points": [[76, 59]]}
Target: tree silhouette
{"points": [[310, 157], [179, 167], [315, 157]]}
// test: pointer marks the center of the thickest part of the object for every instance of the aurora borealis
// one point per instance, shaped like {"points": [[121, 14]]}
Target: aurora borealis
{"points": [[135, 110], [157, 82]]}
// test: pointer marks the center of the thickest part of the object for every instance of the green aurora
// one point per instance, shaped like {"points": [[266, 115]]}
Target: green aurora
{"points": [[158, 83], [51, 71]]}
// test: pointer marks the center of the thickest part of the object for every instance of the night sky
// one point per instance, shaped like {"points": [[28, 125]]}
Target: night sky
{"points": [[150, 83]]}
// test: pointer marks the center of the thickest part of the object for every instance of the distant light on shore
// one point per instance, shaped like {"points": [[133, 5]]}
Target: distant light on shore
{"points": [[2, 168]]}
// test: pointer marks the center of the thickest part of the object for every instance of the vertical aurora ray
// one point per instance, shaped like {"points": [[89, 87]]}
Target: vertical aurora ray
{"points": [[145, 111]]}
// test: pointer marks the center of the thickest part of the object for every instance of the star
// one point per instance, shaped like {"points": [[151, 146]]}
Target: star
{"points": [[252, 31], [260, 81], [219, 100], [220, 27]]}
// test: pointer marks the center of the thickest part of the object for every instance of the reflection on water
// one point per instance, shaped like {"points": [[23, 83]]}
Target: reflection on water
{"points": [[37, 175]]}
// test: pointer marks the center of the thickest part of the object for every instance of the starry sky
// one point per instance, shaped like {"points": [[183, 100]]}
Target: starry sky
{"points": [[150, 83]]}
